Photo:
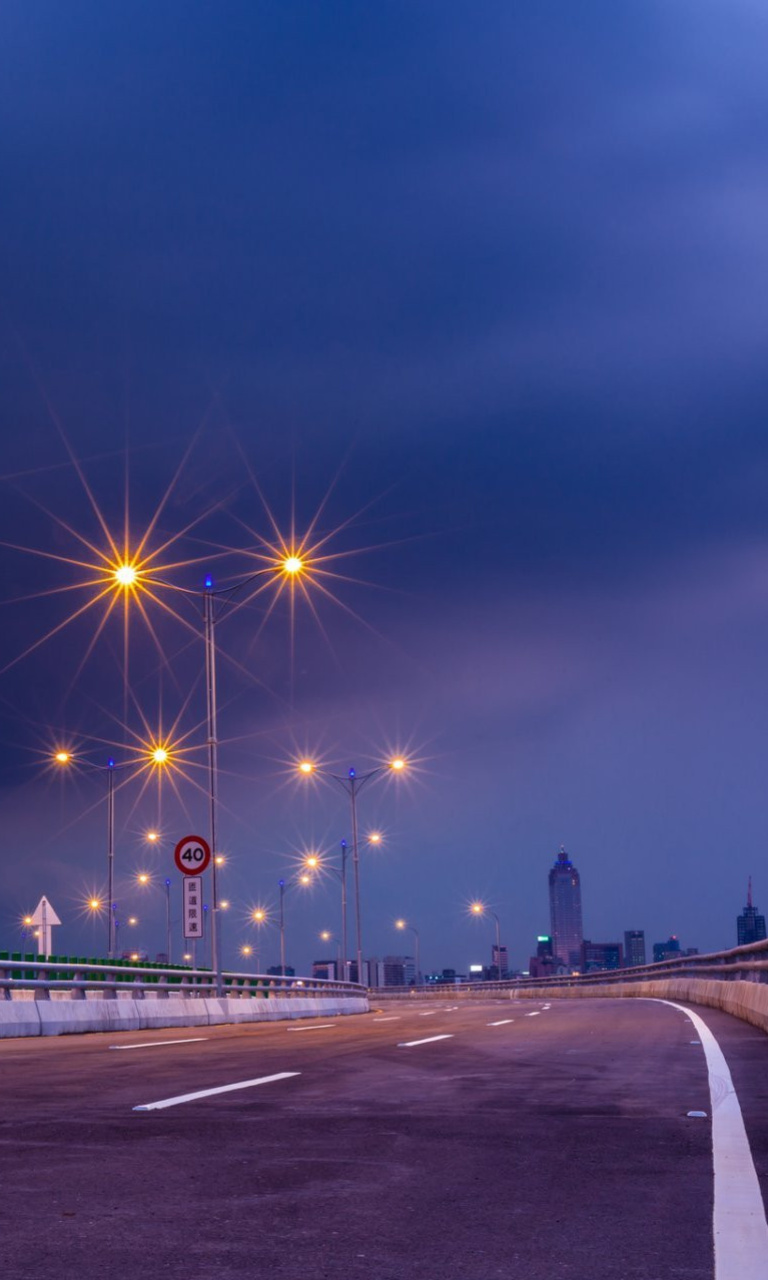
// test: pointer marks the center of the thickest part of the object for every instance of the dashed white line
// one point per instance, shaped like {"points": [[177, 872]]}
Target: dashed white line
{"points": [[504, 1023], [535, 1014], [739, 1222], [208, 1093], [323, 1026], [410, 1044], [430, 1014], [155, 1044], [393, 1017]]}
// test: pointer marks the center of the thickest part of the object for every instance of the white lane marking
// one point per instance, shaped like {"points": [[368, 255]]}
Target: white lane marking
{"points": [[504, 1022], [535, 1014], [152, 1044], [208, 1093], [323, 1026], [409, 1044], [393, 1017], [430, 1014], [738, 1221]]}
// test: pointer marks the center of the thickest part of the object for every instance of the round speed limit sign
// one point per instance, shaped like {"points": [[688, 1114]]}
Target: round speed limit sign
{"points": [[192, 855]]}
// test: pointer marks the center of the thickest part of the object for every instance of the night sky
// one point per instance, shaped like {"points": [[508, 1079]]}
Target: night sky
{"points": [[485, 288]]}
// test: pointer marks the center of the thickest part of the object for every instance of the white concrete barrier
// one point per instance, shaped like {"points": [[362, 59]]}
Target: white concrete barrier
{"points": [[19, 1018], [65, 1017], [745, 1000]]}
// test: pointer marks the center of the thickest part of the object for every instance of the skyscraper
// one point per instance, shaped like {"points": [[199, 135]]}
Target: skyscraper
{"points": [[634, 947], [500, 961], [750, 927], [565, 910]]}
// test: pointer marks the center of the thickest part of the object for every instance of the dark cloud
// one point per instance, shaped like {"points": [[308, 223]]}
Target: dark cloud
{"points": [[504, 273]]}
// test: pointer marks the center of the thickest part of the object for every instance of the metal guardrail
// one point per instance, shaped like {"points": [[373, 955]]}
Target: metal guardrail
{"points": [[749, 963], [113, 978]]}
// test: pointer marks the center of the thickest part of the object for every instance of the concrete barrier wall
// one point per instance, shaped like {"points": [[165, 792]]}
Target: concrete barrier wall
{"points": [[65, 1017], [745, 1000]]}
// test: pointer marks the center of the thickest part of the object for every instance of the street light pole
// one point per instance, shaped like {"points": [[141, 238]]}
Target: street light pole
{"points": [[402, 924], [168, 918], [352, 782], [210, 690], [282, 928], [480, 909], [111, 856], [344, 941], [356, 869]]}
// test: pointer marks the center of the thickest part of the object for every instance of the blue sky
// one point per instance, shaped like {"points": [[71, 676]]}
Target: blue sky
{"points": [[499, 273]]}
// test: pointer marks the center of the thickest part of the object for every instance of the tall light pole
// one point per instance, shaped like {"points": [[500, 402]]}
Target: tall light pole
{"points": [[168, 935], [327, 936], [111, 858], [353, 782], [403, 924], [480, 909], [154, 756], [259, 918], [313, 862], [211, 715], [285, 888]]}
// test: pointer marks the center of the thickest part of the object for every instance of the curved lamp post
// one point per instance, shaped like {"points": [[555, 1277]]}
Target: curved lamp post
{"points": [[480, 909], [403, 924], [353, 782]]}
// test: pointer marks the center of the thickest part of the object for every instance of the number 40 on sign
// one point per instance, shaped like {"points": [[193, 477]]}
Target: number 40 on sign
{"points": [[192, 855]]}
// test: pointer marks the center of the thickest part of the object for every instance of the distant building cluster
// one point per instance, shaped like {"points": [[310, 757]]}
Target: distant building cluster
{"points": [[564, 950]]}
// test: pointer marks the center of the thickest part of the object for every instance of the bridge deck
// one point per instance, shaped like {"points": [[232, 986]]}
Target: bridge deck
{"points": [[530, 1143]]}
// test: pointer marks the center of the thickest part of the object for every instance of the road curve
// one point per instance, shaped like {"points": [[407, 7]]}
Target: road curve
{"points": [[492, 1140]]}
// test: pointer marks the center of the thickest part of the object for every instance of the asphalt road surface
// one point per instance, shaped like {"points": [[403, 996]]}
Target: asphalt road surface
{"points": [[525, 1143]]}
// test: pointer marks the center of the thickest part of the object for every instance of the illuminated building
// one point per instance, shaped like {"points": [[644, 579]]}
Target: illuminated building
{"points": [[565, 910], [750, 927]]}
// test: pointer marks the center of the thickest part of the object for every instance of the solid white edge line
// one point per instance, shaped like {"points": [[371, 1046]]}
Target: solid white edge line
{"points": [[153, 1044], [504, 1022], [738, 1221], [208, 1093], [323, 1026], [409, 1044]]}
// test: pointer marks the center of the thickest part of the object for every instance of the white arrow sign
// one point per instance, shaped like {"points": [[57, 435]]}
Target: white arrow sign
{"points": [[45, 918]]}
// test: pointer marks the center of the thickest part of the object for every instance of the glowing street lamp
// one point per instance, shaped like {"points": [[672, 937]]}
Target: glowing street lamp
{"points": [[327, 936], [65, 759], [402, 925], [126, 575], [353, 782], [480, 909]]}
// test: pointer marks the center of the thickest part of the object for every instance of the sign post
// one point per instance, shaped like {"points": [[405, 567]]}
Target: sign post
{"points": [[192, 855], [192, 895], [45, 918]]}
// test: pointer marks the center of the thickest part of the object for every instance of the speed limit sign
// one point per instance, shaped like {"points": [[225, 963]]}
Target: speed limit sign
{"points": [[192, 855]]}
